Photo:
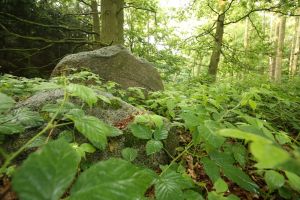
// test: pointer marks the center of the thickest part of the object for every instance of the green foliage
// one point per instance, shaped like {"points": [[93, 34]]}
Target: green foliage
{"points": [[233, 140], [112, 179], [46, 174]]}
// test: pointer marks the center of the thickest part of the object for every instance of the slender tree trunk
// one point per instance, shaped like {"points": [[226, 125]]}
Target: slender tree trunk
{"points": [[295, 49], [280, 46], [215, 57], [247, 34], [274, 31], [96, 19], [112, 21]]}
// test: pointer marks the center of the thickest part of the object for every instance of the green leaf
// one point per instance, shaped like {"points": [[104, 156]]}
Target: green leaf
{"points": [[222, 158], [190, 120], [153, 146], [10, 128], [240, 154], [129, 154], [252, 104], [29, 118], [192, 195], [6, 102], [160, 134], [104, 98], [113, 179], [46, 86], [268, 155], [92, 128], [47, 174], [235, 133], [282, 138], [293, 180], [221, 186], [149, 119], [86, 147], [211, 169], [239, 177], [85, 93], [274, 180], [168, 186], [141, 131], [209, 136]]}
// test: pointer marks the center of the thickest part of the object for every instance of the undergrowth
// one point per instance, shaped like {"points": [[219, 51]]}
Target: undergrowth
{"points": [[239, 140]]}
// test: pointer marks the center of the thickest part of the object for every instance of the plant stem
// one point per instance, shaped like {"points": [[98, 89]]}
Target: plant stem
{"points": [[177, 157], [20, 150]]}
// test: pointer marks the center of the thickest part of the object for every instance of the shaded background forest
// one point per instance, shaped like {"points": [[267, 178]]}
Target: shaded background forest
{"points": [[246, 36]]}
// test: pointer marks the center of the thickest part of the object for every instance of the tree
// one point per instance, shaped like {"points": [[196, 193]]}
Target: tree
{"points": [[276, 64], [96, 20], [295, 49], [215, 56], [112, 21]]}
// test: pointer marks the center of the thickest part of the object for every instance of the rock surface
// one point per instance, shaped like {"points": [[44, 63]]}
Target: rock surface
{"points": [[113, 63], [114, 113]]}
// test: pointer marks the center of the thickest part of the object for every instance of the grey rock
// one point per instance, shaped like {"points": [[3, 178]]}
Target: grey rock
{"points": [[113, 113], [113, 63]]}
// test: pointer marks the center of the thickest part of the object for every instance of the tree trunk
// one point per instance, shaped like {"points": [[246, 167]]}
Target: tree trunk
{"points": [[215, 57], [295, 49], [96, 20], [274, 31], [247, 34], [280, 46], [112, 20]]}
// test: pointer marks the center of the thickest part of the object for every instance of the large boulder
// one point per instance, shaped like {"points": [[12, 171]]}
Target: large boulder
{"points": [[113, 63], [118, 113]]}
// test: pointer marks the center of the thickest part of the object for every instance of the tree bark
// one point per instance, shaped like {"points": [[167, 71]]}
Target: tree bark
{"points": [[112, 21], [247, 34], [96, 19], [295, 49], [274, 31], [280, 46], [215, 57]]}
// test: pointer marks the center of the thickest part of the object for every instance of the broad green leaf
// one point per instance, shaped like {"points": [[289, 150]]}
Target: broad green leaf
{"points": [[85, 93], [210, 137], [169, 186], [192, 195], [215, 196], [252, 104], [171, 104], [6, 102], [268, 155], [274, 180], [235, 133], [221, 158], [86, 147], [160, 134], [113, 179], [239, 177], [104, 98], [220, 186], [232, 197], [190, 120], [129, 154], [153, 146], [282, 138], [293, 180], [10, 128], [211, 169], [149, 119], [46, 86], [46, 174], [240, 154], [141, 131], [29, 118], [92, 128]]}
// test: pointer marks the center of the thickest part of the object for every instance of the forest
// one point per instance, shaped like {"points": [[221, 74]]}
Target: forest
{"points": [[149, 100]]}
